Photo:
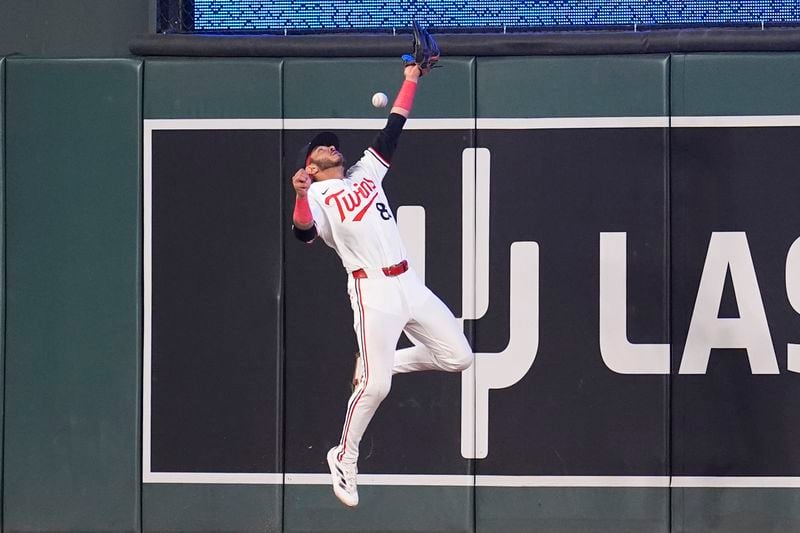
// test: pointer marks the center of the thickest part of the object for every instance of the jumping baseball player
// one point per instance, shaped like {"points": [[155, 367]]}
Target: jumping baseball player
{"points": [[350, 212]]}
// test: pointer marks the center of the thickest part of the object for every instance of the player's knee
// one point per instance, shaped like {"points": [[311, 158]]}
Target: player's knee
{"points": [[458, 358], [462, 360]]}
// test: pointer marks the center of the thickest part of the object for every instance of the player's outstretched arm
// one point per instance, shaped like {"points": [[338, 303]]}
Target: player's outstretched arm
{"points": [[385, 142], [405, 98], [302, 218]]}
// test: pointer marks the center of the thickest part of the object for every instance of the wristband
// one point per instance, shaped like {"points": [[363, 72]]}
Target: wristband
{"points": [[302, 211], [405, 98], [305, 235]]}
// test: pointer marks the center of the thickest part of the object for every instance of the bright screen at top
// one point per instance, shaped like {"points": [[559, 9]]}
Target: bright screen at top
{"points": [[363, 15]]}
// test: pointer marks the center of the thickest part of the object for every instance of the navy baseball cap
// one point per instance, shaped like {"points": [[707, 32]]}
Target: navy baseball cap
{"points": [[326, 138]]}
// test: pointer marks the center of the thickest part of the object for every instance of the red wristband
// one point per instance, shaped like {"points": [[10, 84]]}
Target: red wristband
{"points": [[405, 98], [302, 211]]}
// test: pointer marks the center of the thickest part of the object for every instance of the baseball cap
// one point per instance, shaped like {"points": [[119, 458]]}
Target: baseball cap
{"points": [[326, 138]]}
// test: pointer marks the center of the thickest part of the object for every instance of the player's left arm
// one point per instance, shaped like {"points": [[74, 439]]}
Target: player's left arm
{"points": [[303, 225], [385, 142]]}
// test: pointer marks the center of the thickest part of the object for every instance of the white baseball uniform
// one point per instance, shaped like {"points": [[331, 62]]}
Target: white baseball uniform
{"points": [[352, 215]]}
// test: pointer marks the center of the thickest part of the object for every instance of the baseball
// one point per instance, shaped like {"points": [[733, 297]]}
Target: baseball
{"points": [[380, 100]]}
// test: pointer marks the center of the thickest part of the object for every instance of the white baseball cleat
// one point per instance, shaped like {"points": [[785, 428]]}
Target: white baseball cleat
{"points": [[344, 479]]}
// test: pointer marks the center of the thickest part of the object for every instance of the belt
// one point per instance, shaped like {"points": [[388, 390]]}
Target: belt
{"points": [[390, 271]]}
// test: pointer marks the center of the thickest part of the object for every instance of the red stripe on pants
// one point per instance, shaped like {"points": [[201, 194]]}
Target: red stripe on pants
{"points": [[348, 418]]}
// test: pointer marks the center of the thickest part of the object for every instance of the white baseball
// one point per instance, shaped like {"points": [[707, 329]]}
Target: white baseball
{"points": [[380, 100]]}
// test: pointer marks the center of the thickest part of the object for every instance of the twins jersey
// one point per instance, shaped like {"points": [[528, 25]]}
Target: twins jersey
{"points": [[353, 216]]}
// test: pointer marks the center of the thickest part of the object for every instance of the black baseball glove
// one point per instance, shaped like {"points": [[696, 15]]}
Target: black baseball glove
{"points": [[424, 53]]}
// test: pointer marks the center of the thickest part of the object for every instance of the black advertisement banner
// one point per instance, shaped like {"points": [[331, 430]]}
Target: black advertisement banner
{"points": [[216, 255], [735, 301], [632, 296]]}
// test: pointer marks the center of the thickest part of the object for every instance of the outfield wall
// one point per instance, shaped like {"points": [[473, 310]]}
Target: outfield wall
{"points": [[619, 234]]}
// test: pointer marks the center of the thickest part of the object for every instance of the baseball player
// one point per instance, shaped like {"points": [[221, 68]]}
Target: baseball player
{"points": [[350, 212]]}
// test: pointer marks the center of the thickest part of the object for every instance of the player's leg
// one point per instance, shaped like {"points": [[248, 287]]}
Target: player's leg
{"points": [[442, 344], [377, 329], [378, 320]]}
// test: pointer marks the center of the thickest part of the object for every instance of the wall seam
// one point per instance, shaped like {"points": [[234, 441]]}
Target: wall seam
{"points": [[140, 296], [668, 280], [3, 175], [282, 308], [473, 325]]}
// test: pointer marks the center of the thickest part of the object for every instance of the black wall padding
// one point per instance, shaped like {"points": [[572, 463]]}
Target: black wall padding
{"points": [[510, 44]]}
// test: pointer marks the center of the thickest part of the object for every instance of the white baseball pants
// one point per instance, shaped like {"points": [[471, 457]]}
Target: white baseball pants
{"points": [[384, 307]]}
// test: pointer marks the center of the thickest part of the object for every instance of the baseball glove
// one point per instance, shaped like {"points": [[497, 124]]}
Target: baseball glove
{"points": [[424, 53]]}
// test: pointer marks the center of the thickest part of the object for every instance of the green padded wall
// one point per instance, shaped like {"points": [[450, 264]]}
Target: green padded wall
{"points": [[211, 508], [71, 350], [71, 456], [561, 185], [734, 84], [591, 86], [85, 28], [320, 88], [189, 89], [735, 179]]}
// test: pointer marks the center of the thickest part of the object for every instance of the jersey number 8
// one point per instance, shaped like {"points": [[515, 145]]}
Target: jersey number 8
{"points": [[384, 211]]}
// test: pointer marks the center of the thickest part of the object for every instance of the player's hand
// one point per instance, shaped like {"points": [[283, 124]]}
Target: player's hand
{"points": [[412, 72], [301, 181]]}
